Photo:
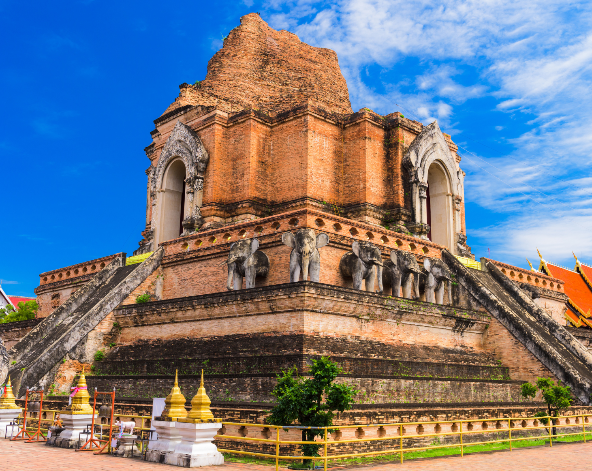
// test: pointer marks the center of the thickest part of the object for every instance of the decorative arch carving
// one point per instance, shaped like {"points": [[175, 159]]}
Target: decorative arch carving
{"points": [[428, 147], [184, 144]]}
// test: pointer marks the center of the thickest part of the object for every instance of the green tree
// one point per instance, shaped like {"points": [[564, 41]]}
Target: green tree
{"points": [[26, 310], [310, 402], [557, 397]]}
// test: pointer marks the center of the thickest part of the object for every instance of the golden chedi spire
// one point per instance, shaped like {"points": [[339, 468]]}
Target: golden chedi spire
{"points": [[200, 406], [7, 400], [174, 404], [80, 398]]}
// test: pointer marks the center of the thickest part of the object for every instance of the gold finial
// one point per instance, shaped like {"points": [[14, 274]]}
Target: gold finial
{"points": [[174, 404], [200, 406], [530, 265], [540, 256], [7, 400], [80, 398]]}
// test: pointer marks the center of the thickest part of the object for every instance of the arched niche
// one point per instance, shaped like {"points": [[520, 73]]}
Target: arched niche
{"points": [[439, 205], [436, 180], [172, 197], [182, 155]]}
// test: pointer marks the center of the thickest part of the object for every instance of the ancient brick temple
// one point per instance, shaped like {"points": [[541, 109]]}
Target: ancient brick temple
{"points": [[266, 145]]}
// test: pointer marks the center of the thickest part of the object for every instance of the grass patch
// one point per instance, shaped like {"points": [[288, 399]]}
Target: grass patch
{"points": [[451, 451]]}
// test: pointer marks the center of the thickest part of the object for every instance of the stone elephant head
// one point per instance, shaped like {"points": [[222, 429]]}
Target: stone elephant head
{"points": [[364, 262], [402, 270], [438, 276], [305, 254], [245, 261]]}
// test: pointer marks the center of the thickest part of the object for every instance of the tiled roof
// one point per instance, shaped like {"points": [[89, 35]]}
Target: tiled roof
{"points": [[586, 272], [18, 299], [579, 293], [578, 289]]}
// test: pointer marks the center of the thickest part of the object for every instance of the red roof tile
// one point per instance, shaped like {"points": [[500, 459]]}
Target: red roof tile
{"points": [[19, 299], [587, 273], [579, 293]]}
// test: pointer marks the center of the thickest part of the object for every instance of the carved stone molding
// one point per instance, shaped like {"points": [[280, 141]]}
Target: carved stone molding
{"points": [[186, 144]]}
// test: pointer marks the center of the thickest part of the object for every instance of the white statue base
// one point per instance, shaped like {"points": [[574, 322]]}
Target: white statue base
{"points": [[6, 417], [168, 438], [196, 447], [126, 445], [74, 424]]}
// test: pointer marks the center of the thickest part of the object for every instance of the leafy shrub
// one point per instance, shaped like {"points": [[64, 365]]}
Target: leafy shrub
{"points": [[557, 397], [26, 310], [143, 298], [99, 355], [310, 402]]}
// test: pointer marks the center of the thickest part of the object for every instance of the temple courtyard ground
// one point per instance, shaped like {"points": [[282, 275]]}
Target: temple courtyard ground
{"points": [[20, 456]]}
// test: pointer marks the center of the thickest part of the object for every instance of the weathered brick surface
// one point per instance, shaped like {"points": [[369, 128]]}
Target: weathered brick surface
{"points": [[510, 352], [12, 332], [259, 67]]}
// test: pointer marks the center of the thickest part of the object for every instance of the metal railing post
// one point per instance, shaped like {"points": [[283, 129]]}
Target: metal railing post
{"points": [[510, 432], [277, 448], [325, 446], [584, 427], [461, 441], [550, 433], [401, 439]]}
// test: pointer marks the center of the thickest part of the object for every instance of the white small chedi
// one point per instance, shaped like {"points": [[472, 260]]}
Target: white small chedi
{"points": [[9, 411], [186, 439]]}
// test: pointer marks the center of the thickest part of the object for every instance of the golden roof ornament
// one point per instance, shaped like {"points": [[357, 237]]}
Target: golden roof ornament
{"points": [[174, 404], [7, 400], [543, 265], [530, 265], [200, 407], [80, 398]]}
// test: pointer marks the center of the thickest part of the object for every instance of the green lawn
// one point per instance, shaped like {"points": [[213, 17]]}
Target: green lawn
{"points": [[453, 450]]}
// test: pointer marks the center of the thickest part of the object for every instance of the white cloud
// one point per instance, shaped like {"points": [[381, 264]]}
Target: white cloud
{"points": [[533, 57]]}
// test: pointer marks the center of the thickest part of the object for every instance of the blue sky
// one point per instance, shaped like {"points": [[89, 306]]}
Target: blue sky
{"points": [[82, 81]]}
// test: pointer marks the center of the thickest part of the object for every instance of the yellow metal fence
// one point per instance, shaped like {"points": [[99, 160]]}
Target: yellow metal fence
{"points": [[458, 428], [47, 418]]}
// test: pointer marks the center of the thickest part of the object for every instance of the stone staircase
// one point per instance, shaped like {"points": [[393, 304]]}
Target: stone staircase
{"points": [[40, 350], [552, 344]]}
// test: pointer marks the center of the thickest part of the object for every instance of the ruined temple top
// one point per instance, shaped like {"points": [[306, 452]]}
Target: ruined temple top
{"points": [[272, 71]]}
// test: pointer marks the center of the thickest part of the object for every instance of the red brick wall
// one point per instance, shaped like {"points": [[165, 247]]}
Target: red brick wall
{"points": [[510, 352]]}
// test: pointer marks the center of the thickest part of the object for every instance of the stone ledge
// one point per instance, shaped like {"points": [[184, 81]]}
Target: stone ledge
{"points": [[256, 301], [19, 325], [273, 375]]}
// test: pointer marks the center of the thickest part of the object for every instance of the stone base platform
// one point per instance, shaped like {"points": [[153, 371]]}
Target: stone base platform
{"points": [[7, 416], [71, 437], [194, 461]]}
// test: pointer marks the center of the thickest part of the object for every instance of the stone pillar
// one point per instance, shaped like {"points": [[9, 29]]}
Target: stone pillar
{"points": [[423, 197], [9, 411]]}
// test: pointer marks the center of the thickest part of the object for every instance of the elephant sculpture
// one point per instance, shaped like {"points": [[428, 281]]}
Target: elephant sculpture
{"points": [[245, 261], [438, 277], [364, 262], [305, 256], [402, 270]]}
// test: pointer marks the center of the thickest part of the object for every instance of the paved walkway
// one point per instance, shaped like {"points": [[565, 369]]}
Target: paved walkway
{"points": [[20, 456]]}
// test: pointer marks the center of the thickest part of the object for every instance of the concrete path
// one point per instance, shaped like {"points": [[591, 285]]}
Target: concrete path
{"points": [[20, 456]]}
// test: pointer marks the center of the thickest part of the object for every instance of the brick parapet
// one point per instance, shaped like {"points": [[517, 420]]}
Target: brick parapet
{"points": [[61, 277], [217, 240], [521, 275]]}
